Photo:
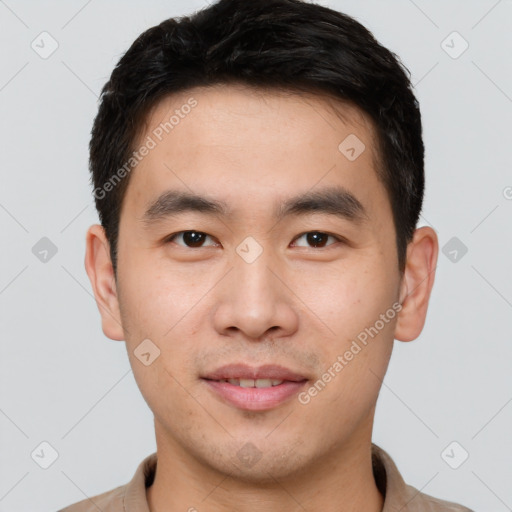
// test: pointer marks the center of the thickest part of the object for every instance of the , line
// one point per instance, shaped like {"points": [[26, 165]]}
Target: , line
{"points": [[89, 498], [384, 384], [428, 222], [125, 329], [419, 284], [14, 485], [318, 181], [302, 301], [2, 2], [198, 301], [215, 488], [13, 423], [13, 279], [485, 14], [319, 114], [169, 169], [74, 218], [67, 433], [414, 85], [493, 287], [424, 14], [14, 76], [203, 407], [492, 81], [491, 490], [192, 191], [78, 282], [96, 96], [279, 424], [286, 491], [13, 217], [76, 14], [418, 492], [484, 218], [506, 403]]}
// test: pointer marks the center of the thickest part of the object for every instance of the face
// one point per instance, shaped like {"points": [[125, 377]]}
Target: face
{"points": [[288, 260]]}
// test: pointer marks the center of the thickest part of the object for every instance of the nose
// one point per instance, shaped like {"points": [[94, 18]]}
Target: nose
{"points": [[255, 301]]}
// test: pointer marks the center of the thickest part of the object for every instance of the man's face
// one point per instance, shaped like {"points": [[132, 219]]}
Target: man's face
{"points": [[256, 289]]}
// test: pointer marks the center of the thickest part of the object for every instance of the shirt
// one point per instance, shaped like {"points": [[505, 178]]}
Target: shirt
{"points": [[398, 496]]}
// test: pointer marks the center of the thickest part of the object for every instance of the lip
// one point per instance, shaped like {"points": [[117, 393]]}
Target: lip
{"points": [[255, 399], [243, 371]]}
